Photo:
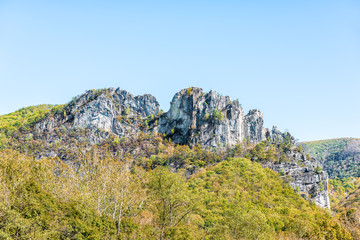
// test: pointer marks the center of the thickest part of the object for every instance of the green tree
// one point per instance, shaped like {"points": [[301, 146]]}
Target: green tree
{"points": [[247, 224], [171, 201]]}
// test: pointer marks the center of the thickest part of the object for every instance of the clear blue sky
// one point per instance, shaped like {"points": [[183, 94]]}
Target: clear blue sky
{"points": [[297, 61]]}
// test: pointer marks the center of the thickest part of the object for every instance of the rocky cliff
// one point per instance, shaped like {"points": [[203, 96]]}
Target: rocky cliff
{"points": [[210, 119], [305, 176], [103, 112], [195, 117]]}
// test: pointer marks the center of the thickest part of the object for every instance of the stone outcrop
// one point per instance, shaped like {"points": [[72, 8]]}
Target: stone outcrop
{"points": [[305, 177], [195, 117], [210, 119], [105, 111], [202, 118], [253, 126], [276, 136]]}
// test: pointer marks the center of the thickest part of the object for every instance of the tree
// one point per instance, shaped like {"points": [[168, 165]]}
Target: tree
{"points": [[114, 186], [171, 200], [247, 224]]}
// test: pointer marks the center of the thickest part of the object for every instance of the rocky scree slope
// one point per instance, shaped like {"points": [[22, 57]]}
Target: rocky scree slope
{"points": [[195, 117]]}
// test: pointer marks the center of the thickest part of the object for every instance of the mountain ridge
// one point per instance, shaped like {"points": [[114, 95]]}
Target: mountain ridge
{"points": [[194, 118]]}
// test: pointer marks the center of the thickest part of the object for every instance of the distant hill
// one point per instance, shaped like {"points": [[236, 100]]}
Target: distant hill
{"points": [[340, 157]]}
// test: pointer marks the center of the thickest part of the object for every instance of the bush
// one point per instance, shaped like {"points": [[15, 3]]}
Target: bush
{"points": [[217, 115]]}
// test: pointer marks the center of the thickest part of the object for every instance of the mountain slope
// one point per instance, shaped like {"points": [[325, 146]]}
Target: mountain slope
{"points": [[108, 198], [340, 157], [21, 120], [195, 117], [201, 170], [345, 197], [111, 118]]}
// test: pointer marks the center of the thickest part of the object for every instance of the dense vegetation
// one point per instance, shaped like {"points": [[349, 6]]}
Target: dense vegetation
{"points": [[21, 121], [349, 213], [145, 187], [340, 157], [108, 198], [345, 198], [339, 189]]}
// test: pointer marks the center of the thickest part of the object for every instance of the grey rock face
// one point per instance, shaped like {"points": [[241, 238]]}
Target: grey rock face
{"points": [[253, 125], [277, 136], [142, 106], [195, 117], [304, 177], [103, 112], [98, 114], [210, 119]]}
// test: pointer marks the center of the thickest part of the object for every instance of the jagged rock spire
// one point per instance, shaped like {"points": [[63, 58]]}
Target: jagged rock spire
{"points": [[210, 119]]}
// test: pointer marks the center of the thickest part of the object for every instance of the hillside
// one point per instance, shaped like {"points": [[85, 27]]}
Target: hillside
{"points": [[345, 201], [105, 118], [349, 213], [110, 165], [234, 199], [340, 157], [21, 120]]}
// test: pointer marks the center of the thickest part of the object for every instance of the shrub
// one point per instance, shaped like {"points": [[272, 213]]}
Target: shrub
{"points": [[218, 115], [189, 91]]}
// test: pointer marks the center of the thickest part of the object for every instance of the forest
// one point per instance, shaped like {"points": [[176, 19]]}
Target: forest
{"points": [[154, 189], [340, 157]]}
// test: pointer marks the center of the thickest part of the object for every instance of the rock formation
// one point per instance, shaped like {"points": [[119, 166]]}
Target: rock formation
{"points": [[194, 117], [105, 111], [305, 177], [210, 119]]}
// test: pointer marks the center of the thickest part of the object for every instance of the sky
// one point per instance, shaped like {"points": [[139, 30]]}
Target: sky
{"points": [[296, 61]]}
